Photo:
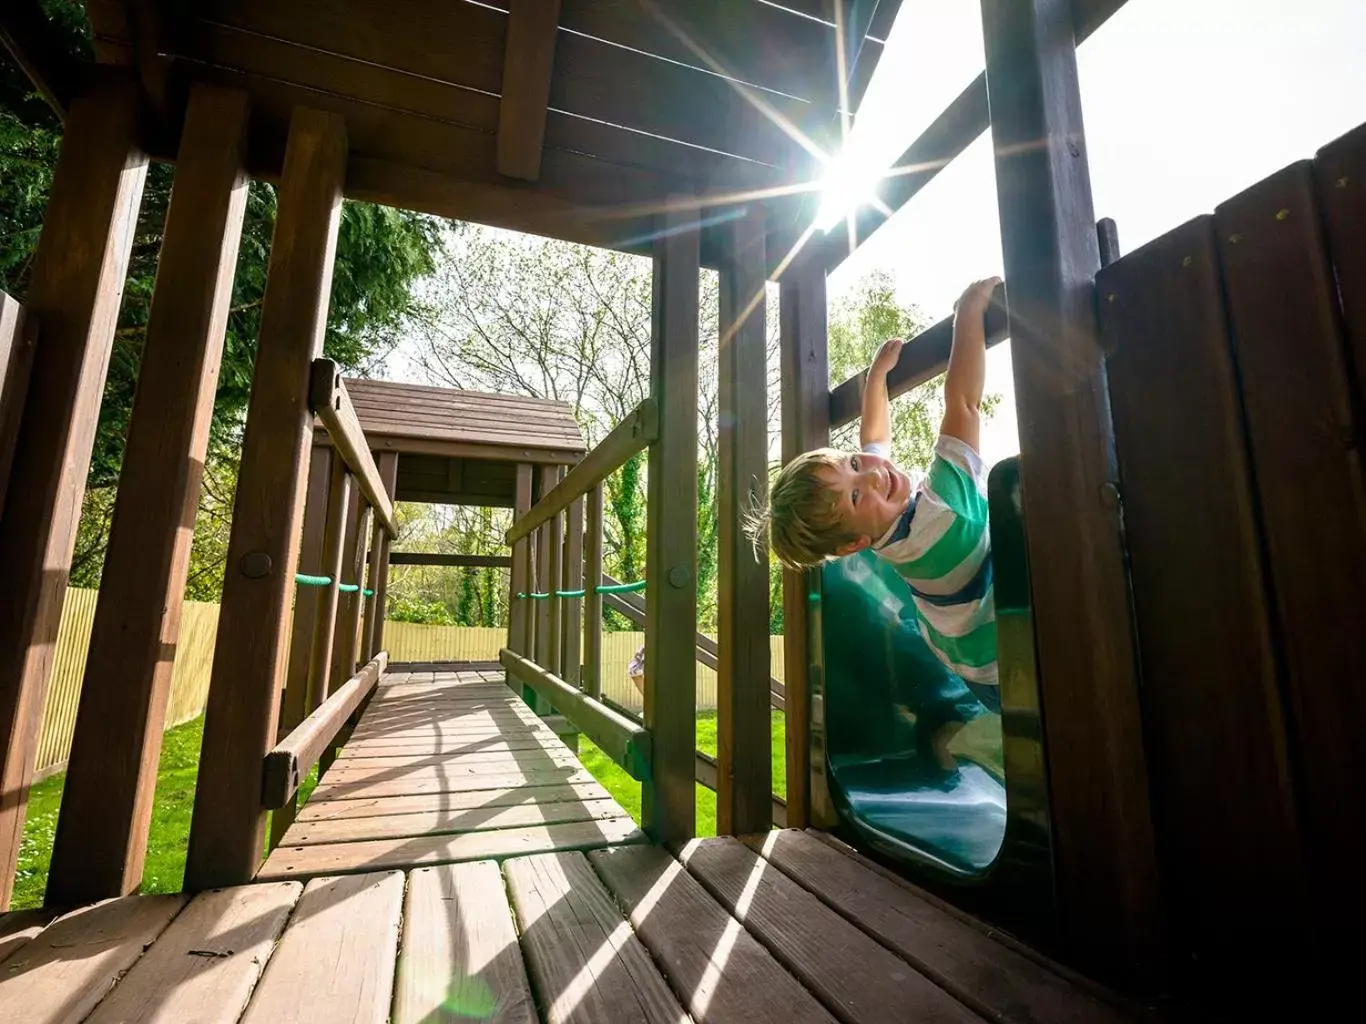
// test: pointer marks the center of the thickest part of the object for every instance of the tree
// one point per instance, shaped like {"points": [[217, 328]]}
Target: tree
{"points": [[381, 254]]}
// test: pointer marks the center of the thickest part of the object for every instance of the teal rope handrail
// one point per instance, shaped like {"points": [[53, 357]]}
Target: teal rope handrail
{"points": [[616, 588], [621, 588], [305, 580]]}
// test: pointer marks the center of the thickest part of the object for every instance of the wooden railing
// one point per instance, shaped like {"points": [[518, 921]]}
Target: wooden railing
{"points": [[294, 756], [542, 653], [328, 643]]}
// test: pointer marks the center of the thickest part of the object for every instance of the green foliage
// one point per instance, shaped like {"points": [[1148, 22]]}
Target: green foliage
{"points": [[430, 613]]}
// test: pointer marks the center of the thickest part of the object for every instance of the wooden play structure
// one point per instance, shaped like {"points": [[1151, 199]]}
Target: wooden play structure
{"points": [[1180, 547]]}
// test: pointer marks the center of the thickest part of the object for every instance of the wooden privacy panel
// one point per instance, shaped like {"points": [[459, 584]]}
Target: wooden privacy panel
{"points": [[1306, 454], [1213, 717], [1341, 170]]}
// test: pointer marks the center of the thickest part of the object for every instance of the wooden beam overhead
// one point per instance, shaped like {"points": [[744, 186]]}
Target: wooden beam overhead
{"points": [[527, 67]]}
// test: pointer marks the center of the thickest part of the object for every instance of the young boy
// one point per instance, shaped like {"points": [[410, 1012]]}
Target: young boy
{"points": [[827, 503]]}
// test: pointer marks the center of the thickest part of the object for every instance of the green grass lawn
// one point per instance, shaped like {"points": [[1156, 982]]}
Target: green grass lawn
{"points": [[626, 790], [164, 870]]}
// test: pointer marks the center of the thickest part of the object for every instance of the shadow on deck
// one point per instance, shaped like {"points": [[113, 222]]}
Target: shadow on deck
{"points": [[458, 863]]}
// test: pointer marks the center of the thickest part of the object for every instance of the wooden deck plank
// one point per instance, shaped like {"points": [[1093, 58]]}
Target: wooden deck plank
{"points": [[428, 803], [204, 966], [479, 819], [60, 976], [372, 855], [459, 957], [587, 964], [376, 749], [993, 979], [452, 767], [461, 784], [19, 928], [718, 969], [859, 981], [336, 959]]}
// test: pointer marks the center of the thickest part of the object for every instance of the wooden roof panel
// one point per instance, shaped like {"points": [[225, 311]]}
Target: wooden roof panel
{"points": [[389, 409], [650, 99]]}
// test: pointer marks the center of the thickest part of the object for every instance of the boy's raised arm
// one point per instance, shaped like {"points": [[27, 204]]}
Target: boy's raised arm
{"points": [[967, 373], [875, 426]]}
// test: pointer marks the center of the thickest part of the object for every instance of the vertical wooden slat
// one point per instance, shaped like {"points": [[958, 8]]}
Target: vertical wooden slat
{"points": [[340, 492], [348, 604], [520, 576], [226, 834], [1210, 679], [388, 473], [592, 601], [107, 802], [572, 626], [17, 337], [744, 779], [668, 802], [1102, 825], [805, 376], [540, 609], [555, 582], [74, 293], [294, 704], [371, 605], [1306, 442]]}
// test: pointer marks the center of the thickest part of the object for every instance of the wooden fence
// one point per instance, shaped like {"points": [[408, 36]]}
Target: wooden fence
{"points": [[189, 681]]}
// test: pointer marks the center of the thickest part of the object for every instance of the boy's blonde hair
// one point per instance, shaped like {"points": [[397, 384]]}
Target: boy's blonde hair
{"points": [[802, 521]]}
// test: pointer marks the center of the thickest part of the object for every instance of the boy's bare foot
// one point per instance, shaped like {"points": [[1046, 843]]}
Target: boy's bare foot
{"points": [[940, 744]]}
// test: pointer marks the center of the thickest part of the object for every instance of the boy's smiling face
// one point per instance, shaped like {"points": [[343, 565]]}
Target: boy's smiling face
{"points": [[869, 493]]}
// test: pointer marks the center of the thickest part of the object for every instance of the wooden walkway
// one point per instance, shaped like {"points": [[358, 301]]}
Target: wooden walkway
{"points": [[457, 864], [447, 766]]}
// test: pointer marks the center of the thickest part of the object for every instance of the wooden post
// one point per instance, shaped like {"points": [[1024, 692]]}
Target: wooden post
{"points": [[340, 493], [592, 601], [388, 474], [74, 293], [520, 576], [668, 803], [805, 376], [1102, 826], [101, 836], [378, 535], [348, 604], [572, 623], [17, 337], [226, 833], [744, 777]]}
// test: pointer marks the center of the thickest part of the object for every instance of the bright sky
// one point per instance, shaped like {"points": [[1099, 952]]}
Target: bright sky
{"points": [[1186, 103]]}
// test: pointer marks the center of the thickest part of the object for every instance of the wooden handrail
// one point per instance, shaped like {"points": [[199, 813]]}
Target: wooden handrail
{"points": [[292, 758], [623, 739], [332, 405], [632, 607], [635, 433], [466, 561], [923, 358]]}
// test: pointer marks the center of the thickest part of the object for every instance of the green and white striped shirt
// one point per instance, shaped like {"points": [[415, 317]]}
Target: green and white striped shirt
{"points": [[941, 545]]}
